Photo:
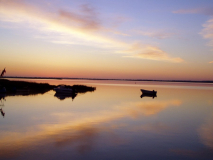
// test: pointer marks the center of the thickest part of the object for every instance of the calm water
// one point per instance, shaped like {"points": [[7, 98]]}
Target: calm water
{"points": [[113, 122]]}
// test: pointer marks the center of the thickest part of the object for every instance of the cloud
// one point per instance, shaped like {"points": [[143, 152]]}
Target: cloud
{"points": [[79, 26], [87, 20], [82, 24], [211, 62], [152, 53], [207, 32], [156, 34], [205, 11], [20, 11]]}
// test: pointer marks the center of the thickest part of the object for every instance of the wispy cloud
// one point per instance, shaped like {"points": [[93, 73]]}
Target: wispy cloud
{"points": [[82, 24], [78, 26], [205, 11], [155, 34], [207, 32], [20, 11], [150, 52], [87, 20], [211, 62]]}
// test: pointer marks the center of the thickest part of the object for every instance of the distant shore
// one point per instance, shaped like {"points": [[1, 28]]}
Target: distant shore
{"points": [[101, 79]]}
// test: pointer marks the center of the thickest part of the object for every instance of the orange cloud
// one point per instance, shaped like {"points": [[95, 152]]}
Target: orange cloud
{"points": [[152, 53], [211, 62]]}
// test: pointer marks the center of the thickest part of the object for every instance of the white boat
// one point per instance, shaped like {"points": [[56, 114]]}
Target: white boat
{"points": [[63, 89], [148, 92]]}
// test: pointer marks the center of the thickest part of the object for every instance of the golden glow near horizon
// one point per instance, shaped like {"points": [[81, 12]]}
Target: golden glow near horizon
{"points": [[73, 39]]}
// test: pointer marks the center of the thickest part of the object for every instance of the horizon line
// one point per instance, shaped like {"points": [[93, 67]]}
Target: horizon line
{"points": [[115, 79]]}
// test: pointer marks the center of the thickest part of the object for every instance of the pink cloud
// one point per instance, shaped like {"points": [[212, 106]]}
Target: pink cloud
{"points": [[87, 19]]}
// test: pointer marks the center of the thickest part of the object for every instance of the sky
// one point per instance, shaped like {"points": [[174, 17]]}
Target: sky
{"points": [[122, 39]]}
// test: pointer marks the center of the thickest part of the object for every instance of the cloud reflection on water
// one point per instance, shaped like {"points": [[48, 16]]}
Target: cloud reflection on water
{"points": [[151, 108], [82, 132], [206, 132]]}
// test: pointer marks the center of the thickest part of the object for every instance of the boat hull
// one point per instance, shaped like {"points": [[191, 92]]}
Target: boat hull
{"points": [[147, 92], [65, 91]]}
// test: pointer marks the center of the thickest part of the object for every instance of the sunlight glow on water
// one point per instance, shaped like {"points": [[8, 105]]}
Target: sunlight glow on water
{"points": [[112, 122]]}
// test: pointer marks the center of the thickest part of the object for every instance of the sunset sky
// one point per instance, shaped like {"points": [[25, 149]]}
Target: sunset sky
{"points": [[131, 39]]}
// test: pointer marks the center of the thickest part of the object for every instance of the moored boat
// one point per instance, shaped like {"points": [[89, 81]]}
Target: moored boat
{"points": [[63, 89], [147, 92]]}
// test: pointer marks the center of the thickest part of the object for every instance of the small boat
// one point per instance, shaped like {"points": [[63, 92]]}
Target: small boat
{"points": [[147, 92], [148, 95], [63, 89]]}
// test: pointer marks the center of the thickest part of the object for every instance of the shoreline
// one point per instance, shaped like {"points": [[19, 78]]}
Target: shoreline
{"points": [[110, 79], [29, 88]]}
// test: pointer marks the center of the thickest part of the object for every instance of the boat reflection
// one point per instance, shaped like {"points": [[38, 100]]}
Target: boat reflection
{"points": [[148, 95], [66, 91], [2, 99], [63, 96], [2, 112]]}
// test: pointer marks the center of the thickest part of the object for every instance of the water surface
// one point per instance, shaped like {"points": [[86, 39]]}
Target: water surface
{"points": [[113, 122]]}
